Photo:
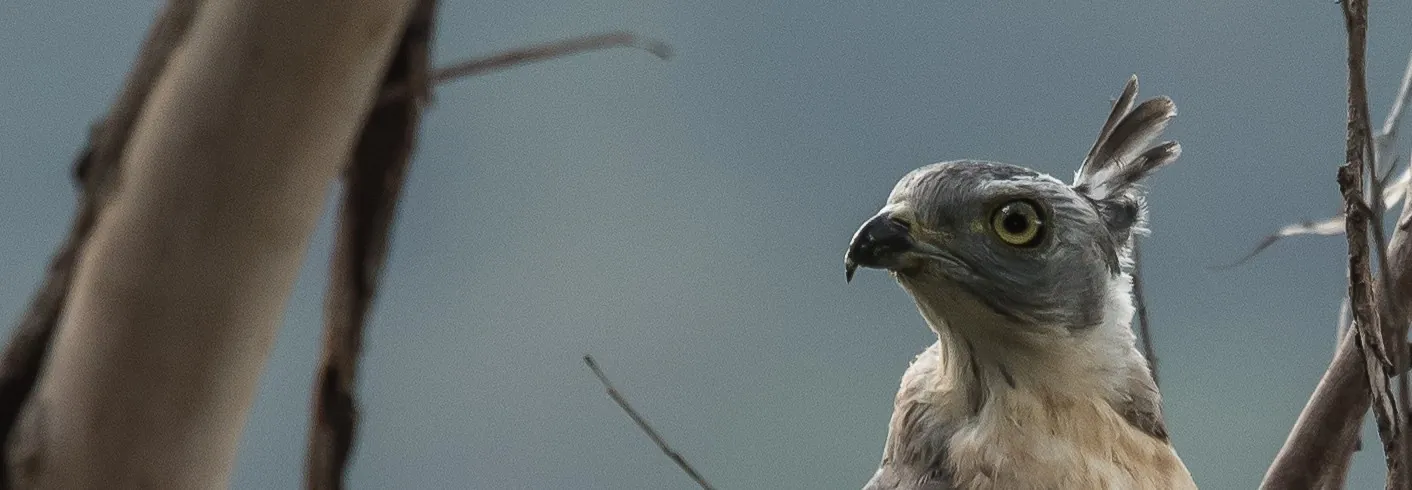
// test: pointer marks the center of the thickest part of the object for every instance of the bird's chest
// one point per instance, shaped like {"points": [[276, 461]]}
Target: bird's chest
{"points": [[1022, 441]]}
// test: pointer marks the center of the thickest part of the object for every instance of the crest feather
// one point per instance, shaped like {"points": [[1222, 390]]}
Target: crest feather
{"points": [[1124, 154]]}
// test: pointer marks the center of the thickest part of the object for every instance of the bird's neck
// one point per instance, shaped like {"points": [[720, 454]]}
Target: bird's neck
{"points": [[992, 353]]}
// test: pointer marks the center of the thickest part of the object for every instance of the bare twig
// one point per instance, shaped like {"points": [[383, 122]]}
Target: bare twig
{"points": [[1389, 309], [1390, 190], [373, 183], [1345, 320], [1141, 304], [642, 424], [541, 52], [1387, 138], [95, 167], [1327, 227], [1386, 145], [1367, 316], [1324, 434]]}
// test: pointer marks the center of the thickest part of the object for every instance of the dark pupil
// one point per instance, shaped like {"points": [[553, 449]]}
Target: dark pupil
{"points": [[1015, 222]]}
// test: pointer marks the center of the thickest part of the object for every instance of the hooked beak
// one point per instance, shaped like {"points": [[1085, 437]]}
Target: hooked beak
{"points": [[878, 244]]}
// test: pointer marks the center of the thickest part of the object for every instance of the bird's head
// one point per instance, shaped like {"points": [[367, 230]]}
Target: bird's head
{"points": [[1002, 243]]}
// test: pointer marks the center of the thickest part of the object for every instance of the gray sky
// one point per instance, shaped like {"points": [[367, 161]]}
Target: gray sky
{"points": [[685, 221]]}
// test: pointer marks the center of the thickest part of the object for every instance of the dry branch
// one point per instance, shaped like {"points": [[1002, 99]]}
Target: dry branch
{"points": [[541, 52], [646, 428], [372, 184], [1393, 308], [1368, 308], [1396, 282], [374, 181], [1394, 191], [94, 170], [181, 287], [1390, 190], [1328, 425]]}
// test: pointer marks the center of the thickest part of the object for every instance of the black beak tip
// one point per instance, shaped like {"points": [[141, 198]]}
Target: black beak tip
{"points": [[877, 244]]}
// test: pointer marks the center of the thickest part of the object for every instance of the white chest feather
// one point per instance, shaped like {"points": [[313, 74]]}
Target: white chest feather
{"points": [[1021, 441], [995, 435]]}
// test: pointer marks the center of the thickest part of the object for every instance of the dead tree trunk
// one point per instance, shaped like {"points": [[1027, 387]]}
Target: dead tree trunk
{"points": [[180, 290]]}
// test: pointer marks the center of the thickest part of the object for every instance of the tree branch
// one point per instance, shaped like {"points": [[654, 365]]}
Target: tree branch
{"points": [[1388, 136], [95, 168], [642, 424], [373, 182], [1328, 425], [1394, 308], [541, 52], [1368, 311], [178, 294]]}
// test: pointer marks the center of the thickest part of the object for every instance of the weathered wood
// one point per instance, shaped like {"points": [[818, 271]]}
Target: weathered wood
{"points": [[94, 171], [181, 288]]}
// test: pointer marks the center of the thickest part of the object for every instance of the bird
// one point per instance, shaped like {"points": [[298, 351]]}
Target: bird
{"points": [[1035, 380]]}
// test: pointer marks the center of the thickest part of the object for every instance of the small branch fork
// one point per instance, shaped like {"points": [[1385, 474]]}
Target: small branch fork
{"points": [[1320, 444], [642, 424], [1364, 302]]}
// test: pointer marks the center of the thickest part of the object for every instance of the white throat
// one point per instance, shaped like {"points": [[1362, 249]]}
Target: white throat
{"points": [[978, 344]]}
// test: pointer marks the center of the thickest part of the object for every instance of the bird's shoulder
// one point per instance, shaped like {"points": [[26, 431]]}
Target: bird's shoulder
{"points": [[915, 455]]}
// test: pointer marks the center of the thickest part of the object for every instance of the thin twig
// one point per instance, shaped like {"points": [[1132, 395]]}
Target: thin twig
{"points": [[1386, 144], [1345, 320], [1384, 148], [1323, 436], [1141, 304], [94, 169], [541, 52], [1388, 137], [642, 424], [1398, 249]]}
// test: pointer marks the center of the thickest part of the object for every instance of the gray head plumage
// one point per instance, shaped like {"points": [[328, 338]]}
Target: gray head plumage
{"points": [[1029, 248]]}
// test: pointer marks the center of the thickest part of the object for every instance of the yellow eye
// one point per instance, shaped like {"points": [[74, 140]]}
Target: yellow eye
{"points": [[1018, 223]]}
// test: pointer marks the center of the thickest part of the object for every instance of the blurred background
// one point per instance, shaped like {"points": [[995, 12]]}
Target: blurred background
{"points": [[685, 222]]}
